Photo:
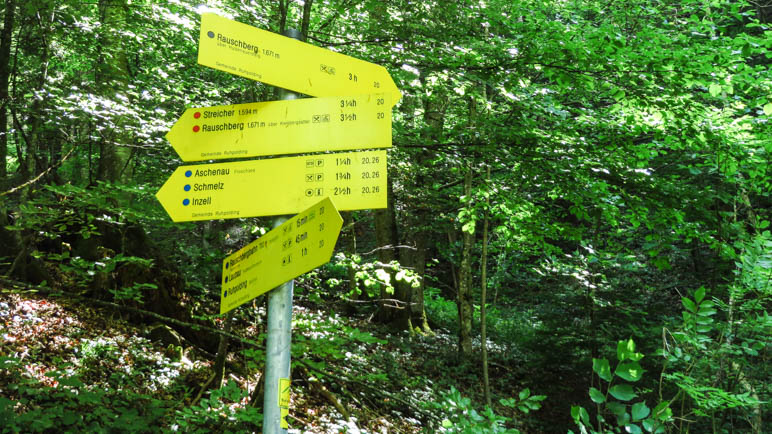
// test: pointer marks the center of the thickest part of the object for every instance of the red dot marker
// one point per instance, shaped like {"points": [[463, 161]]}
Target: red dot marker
{"points": [[196, 129], [197, 115]]}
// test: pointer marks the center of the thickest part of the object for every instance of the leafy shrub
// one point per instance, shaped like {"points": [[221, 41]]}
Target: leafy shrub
{"points": [[72, 405], [220, 412], [614, 401], [460, 416]]}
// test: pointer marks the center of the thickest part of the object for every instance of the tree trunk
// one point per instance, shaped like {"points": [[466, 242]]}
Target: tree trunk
{"points": [[464, 298], [434, 117], [112, 80], [307, 4], [418, 260], [483, 294], [5, 73], [387, 237], [222, 354], [33, 137], [351, 249]]}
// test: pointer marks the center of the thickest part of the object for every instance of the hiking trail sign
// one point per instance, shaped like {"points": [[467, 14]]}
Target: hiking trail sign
{"points": [[352, 110], [284, 62], [299, 245], [283, 127], [275, 186]]}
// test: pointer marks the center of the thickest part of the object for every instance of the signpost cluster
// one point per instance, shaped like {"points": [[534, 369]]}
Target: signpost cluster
{"points": [[351, 110]]}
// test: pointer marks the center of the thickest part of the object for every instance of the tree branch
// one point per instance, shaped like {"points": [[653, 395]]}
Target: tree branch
{"points": [[37, 178]]}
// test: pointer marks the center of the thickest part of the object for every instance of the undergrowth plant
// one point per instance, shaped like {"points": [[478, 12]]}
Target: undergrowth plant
{"points": [[461, 417], [72, 404], [718, 358], [616, 410], [714, 367], [220, 412]]}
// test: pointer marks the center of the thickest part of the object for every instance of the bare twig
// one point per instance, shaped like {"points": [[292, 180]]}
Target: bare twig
{"points": [[388, 247]]}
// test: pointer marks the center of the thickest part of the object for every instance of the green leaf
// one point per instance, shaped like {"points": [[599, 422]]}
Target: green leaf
{"points": [[662, 411], [622, 392], [596, 396], [640, 411], [689, 305], [714, 89], [654, 426], [768, 109], [524, 393], [579, 413], [447, 423], [629, 371], [469, 227], [533, 405], [706, 312], [699, 295], [633, 429], [623, 419], [616, 408], [625, 348], [602, 368]]}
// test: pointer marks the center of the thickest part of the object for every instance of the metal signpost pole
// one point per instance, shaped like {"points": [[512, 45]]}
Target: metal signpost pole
{"points": [[277, 354]]}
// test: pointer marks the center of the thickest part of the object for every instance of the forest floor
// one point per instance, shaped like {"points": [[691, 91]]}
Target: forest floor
{"points": [[68, 364]]}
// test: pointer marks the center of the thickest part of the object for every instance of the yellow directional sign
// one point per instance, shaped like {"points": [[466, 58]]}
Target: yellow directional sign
{"points": [[283, 127], [299, 245], [277, 186], [264, 56]]}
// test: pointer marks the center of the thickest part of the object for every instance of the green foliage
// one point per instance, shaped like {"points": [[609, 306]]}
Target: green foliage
{"points": [[218, 412], [460, 416], [370, 277], [72, 404], [717, 367], [614, 400], [442, 311], [320, 342]]}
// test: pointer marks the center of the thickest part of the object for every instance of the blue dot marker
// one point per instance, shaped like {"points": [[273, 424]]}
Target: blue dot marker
{"points": [[225, 294], [226, 279], [188, 173], [210, 34], [187, 187], [186, 202], [226, 265]]}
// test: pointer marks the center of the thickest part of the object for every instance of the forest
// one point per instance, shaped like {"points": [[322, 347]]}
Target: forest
{"points": [[572, 236]]}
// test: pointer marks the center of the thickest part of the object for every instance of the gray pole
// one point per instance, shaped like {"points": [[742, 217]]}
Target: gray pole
{"points": [[277, 353]]}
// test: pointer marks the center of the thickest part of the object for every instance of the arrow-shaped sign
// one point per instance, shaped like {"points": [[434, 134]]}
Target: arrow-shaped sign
{"points": [[283, 127], [299, 245], [276, 186], [273, 59]]}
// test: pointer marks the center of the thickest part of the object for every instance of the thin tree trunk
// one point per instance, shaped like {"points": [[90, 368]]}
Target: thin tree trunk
{"points": [[483, 294], [417, 308], [434, 117], [307, 4], [222, 354], [34, 138], [5, 73], [388, 238], [113, 70], [351, 249], [464, 300]]}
